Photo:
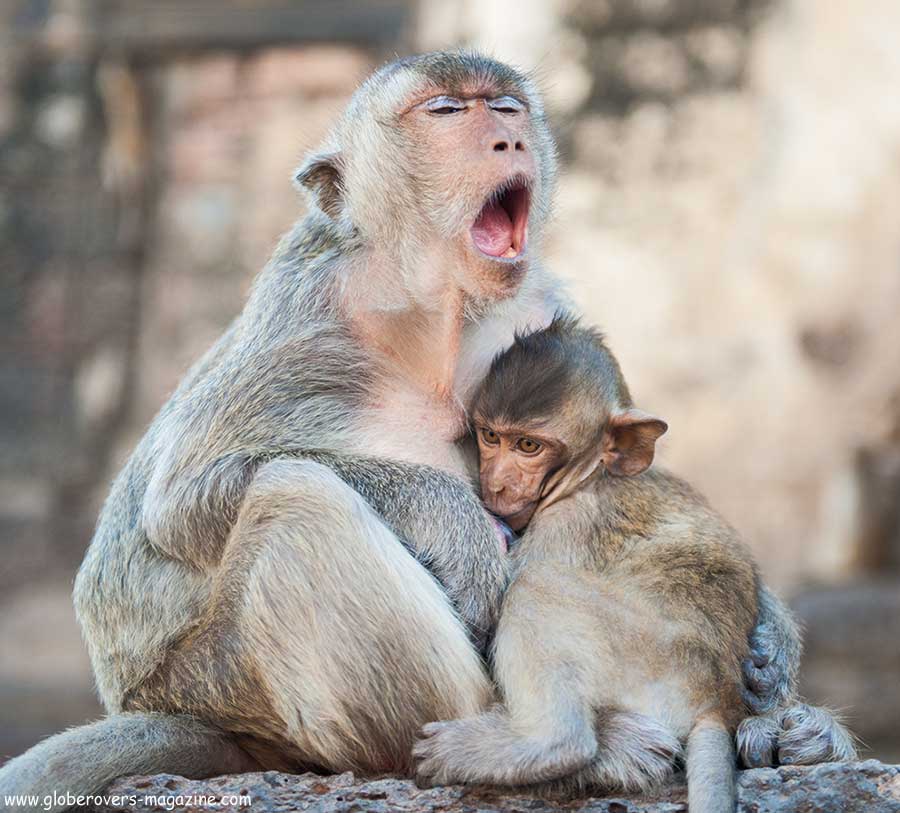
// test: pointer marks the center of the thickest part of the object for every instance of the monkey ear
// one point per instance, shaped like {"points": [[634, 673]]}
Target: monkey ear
{"points": [[630, 442], [320, 175]]}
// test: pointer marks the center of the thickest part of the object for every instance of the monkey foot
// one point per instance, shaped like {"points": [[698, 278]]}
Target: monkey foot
{"points": [[799, 735]]}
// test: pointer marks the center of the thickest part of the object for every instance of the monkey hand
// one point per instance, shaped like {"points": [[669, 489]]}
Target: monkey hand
{"points": [[447, 753], [770, 671], [797, 735], [766, 683]]}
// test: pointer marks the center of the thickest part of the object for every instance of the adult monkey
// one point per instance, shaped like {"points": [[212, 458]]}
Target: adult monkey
{"points": [[255, 593]]}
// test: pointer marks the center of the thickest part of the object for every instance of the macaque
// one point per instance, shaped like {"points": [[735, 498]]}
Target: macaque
{"points": [[631, 601], [286, 572]]}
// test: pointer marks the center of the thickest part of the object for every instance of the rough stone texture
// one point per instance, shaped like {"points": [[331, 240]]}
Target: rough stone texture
{"points": [[864, 787]]}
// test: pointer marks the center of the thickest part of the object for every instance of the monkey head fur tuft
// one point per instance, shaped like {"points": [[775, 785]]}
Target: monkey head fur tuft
{"points": [[565, 369]]}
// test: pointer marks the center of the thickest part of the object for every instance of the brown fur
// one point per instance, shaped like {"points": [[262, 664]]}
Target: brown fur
{"points": [[630, 594]]}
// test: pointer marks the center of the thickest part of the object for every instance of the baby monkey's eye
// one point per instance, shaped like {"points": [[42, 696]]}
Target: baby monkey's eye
{"points": [[528, 446], [490, 437]]}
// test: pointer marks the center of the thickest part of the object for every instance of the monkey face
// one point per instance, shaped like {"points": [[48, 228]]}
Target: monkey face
{"points": [[444, 163], [513, 468], [481, 190], [554, 410], [484, 177]]}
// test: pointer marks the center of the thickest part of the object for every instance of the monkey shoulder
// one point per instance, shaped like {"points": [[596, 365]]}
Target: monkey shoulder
{"points": [[678, 508], [286, 371], [656, 524], [694, 561]]}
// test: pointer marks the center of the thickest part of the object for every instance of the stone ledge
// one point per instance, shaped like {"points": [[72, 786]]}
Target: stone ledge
{"points": [[862, 787]]}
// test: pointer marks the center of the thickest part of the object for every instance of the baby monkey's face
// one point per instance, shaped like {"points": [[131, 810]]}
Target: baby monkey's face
{"points": [[514, 465]]}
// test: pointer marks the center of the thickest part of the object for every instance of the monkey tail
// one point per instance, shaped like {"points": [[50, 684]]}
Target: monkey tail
{"points": [[84, 760], [710, 768]]}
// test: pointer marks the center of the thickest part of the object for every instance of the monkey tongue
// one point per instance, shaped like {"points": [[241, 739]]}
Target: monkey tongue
{"points": [[492, 232]]}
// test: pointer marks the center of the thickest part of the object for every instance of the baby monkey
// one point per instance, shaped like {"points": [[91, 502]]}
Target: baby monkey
{"points": [[622, 633]]}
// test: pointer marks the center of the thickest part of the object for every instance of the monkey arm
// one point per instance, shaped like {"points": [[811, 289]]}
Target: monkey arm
{"points": [[188, 512], [436, 515], [770, 673], [783, 731], [444, 525]]}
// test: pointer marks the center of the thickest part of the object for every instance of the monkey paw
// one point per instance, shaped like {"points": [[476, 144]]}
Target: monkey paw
{"points": [[811, 734], [767, 680], [757, 741], [798, 735], [637, 753], [441, 752]]}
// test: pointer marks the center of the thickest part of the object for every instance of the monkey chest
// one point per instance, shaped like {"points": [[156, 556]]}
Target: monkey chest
{"points": [[403, 424]]}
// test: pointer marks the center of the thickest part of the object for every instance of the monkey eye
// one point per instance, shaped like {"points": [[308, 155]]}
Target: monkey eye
{"points": [[444, 105], [490, 437], [506, 104], [528, 446]]}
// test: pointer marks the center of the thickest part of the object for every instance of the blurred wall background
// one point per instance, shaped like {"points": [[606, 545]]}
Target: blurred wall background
{"points": [[729, 213]]}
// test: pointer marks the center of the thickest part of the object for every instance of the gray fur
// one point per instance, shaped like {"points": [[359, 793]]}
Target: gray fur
{"points": [[799, 734], [783, 730], [442, 522], [84, 760], [770, 673], [629, 592], [182, 596]]}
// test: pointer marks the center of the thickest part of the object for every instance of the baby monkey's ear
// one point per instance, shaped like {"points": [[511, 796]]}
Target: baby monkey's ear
{"points": [[630, 442]]}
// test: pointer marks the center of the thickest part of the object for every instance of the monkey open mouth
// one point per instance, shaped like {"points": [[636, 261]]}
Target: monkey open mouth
{"points": [[501, 228]]}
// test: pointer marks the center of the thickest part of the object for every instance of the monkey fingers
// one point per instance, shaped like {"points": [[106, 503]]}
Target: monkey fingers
{"points": [[770, 672], [811, 734], [757, 741], [799, 735], [759, 685], [767, 676]]}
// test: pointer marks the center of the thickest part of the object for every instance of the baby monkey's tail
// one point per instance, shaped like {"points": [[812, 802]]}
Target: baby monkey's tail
{"points": [[711, 768]]}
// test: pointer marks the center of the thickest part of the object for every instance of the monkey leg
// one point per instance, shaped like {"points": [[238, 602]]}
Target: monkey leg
{"points": [[496, 749], [608, 749], [561, 672], [324, 635], [551, 727]]}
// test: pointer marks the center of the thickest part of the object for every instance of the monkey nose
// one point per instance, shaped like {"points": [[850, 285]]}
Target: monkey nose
{"points": [[508, 145]]}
